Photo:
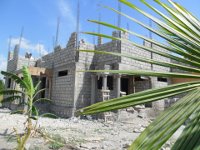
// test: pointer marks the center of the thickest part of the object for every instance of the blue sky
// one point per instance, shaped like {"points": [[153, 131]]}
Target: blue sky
{"points": [[39, 19]]}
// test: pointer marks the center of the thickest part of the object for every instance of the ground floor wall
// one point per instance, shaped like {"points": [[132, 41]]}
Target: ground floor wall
{"points": [[63, 82]]}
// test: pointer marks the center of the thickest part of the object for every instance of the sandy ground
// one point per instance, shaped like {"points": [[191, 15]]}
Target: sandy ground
{"points": [[77, 134]]}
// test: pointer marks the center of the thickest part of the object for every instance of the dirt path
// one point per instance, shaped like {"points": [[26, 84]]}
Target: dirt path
{"points": [[77, 134]]}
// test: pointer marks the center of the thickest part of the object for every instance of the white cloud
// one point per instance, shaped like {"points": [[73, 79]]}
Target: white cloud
{"points": [[67, 12], [3, 64], [27, 45]]}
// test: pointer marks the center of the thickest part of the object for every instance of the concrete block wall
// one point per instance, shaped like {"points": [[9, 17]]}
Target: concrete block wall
{"points": [[63, 91], [142, 85], [113, 46], [46, 61], [83, 80], [128, 48], [113, 92], [22, 61], [73, 91], [158, 105], [160, 58], [63, 88]]}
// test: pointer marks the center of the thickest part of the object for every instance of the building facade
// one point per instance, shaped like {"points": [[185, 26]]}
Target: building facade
{"points": [[70, 89]]}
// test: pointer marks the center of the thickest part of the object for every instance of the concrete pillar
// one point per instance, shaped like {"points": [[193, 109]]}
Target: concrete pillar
{"points": [[104, 82], [100, 40], [50, 87], [93, 88], [47, 87], [118, 85]]}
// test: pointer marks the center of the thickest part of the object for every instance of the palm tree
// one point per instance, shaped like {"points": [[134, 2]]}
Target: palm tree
{"points": [[28, 92], [182, 31]]}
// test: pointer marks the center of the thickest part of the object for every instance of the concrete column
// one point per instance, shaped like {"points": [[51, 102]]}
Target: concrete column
{"points": [[93, 88], [46, 87], [50, 87], [133, 84], [104, 82], [100, 40], [118, 85]]}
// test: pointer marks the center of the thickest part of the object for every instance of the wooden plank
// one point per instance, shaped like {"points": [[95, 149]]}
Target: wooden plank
{"points": [[36, 71], [182, 80]]}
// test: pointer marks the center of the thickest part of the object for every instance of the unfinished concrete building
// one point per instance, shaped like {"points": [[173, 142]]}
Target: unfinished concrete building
{"points": [[70, 89]]}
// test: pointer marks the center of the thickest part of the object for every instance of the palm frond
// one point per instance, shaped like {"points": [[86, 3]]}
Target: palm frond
{"points": [[14, 77], [182, 31], [11, 92], [42, 100], [181, 44], [35, 111], [183, 35], [37, 85], [146, 73], [139, 98], [177, 50], [151, 61], [49, 115], [189, 138], [159, 131], [38, 92], [28, 80], [11, 99], [18, 112]]}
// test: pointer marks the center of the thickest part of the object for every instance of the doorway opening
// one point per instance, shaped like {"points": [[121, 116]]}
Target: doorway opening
{"points": [[43, 86], [125, 85]]}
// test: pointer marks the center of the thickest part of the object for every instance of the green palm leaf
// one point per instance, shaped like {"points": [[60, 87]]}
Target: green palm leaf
{"points": [[10, 92], [168, 48], [182, 31], [49, 115], [11, 99], [147, 60], [14, 77], [147, 73], [181, 44], [17, 112], [139, 98], [158, 132], [191, 134], [35, 112], [28, 80], [42, 100]]}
